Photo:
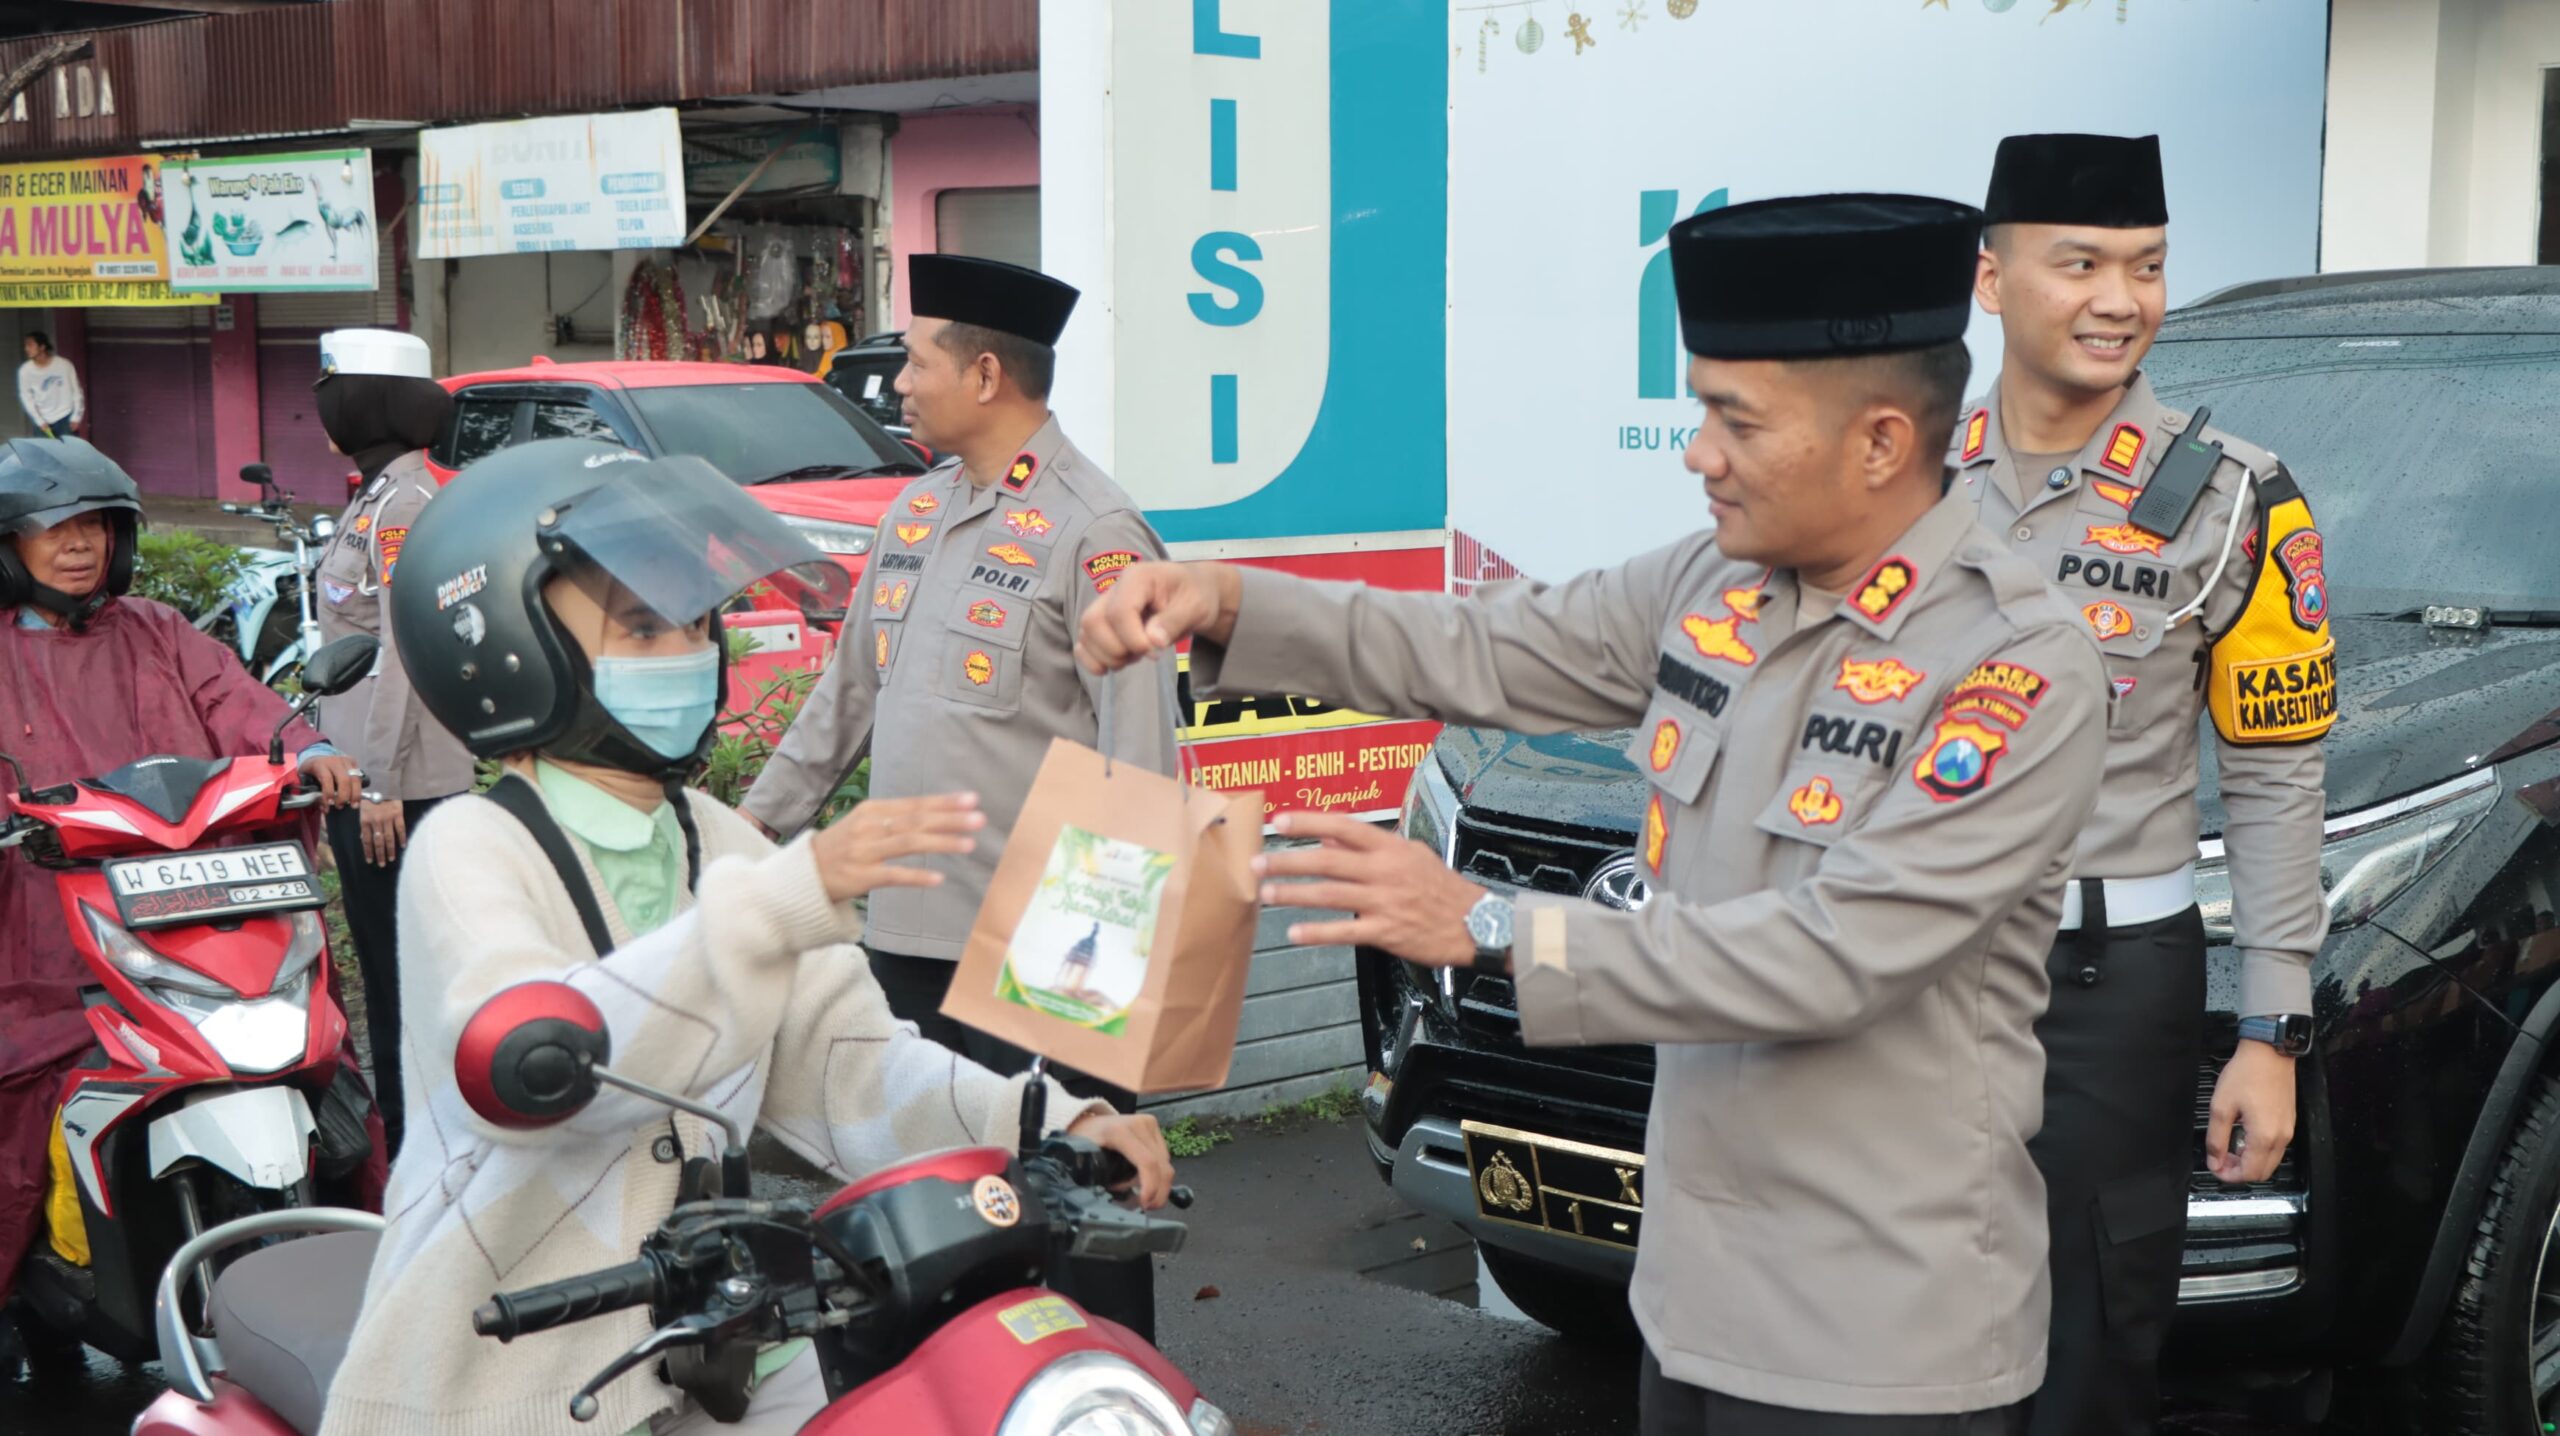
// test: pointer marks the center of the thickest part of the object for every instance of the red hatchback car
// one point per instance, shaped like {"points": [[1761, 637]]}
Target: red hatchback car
{"points": [[799, 447]]}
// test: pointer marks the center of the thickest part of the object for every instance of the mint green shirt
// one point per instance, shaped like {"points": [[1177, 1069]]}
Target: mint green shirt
{"points": [[640, 856]]}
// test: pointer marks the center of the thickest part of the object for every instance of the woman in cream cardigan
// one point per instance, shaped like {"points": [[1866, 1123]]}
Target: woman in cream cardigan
{"points": [[557, 608]]}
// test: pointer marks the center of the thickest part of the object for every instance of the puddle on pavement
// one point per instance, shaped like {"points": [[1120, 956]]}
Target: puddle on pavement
{"points": [[101, 1399]]}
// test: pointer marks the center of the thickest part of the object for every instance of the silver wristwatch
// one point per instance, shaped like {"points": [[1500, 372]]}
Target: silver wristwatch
{"points": [[1489, 923]]}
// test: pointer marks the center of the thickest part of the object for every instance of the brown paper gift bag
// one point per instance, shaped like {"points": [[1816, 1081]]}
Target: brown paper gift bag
{"points": [[1118, 929]]}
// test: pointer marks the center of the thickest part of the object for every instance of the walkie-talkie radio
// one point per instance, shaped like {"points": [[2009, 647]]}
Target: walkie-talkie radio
{"points": [[2178, 481]]}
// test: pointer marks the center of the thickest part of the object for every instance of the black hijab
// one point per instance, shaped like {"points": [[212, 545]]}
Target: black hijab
{"points": [[375, 418]]}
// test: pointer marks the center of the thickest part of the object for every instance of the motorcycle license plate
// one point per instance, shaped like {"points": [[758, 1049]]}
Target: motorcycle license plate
{"points": [[1548, 1184], [212, 884]]}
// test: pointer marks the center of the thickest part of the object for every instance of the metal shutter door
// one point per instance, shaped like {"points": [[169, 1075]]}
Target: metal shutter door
{"points": [[290, 438], [150, 392], [1001, 223]]}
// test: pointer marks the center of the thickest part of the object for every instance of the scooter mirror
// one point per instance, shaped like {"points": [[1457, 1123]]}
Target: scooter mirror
{"points": [[257, 475], [340, 664], [528, 1057]]}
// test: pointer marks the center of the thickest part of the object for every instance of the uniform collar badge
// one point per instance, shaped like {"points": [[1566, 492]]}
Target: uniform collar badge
{"points": [[2124, 446], [1017, 476], [1977, 436], [1884, 588]]}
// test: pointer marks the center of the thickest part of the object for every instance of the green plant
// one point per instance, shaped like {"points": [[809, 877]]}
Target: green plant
{"points": [[1187, 1138], [185, 570], [1338, 1104], [749, 735]]}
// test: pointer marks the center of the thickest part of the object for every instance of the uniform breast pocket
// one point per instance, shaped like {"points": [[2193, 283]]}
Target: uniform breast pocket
{"points": [[892, 594], [984, 645], [1823, 796], [1675, 747], [2129, 636], [342, 575]]}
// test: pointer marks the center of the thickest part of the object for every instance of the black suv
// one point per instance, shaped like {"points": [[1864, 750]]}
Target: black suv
{"points": [[2409, 1227]]}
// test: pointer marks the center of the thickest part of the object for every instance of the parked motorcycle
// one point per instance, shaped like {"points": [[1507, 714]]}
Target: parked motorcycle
{"points": [[268, 617], [923, 1287], [196, 907]]}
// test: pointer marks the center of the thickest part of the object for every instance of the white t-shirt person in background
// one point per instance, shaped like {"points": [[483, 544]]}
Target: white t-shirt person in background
{"points": [[49, 389]]}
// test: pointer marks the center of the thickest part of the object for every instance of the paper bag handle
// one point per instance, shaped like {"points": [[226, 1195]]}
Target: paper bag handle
{"points": [[1185, 766]]}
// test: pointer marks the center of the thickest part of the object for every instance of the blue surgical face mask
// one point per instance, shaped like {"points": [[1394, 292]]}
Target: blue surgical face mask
{"points": [[664, 702]]}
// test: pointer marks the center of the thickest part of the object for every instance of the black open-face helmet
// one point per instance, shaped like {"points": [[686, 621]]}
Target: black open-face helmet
{"points": [[44, 482], [481, 645]]}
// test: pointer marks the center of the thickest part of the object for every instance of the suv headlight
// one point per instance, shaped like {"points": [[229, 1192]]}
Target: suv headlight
{"points": [[1094, 1393], [832, 537], [2367, 858], [1430, 809]]}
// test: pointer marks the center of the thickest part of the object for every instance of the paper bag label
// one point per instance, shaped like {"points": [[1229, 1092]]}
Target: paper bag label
{"points": [[1080, 951]]}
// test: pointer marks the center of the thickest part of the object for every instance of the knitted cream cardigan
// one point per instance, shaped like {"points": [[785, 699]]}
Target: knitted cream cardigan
{"points": [[752, 999]]}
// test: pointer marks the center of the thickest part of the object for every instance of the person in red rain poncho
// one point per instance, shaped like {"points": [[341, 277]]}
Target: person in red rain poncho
{"points": [[90, 680]]}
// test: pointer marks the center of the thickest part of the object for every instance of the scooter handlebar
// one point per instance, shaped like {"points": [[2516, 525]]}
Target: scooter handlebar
{"points": [[1110, 1169], [511, 1314]]}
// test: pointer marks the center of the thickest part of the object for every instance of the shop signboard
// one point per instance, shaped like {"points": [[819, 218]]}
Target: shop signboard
{"points": [[83, 232], [273, 224], [566, 182], [810, 162]]}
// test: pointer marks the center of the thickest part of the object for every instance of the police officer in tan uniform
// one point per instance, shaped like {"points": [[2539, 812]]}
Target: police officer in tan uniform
{"points": [[2190, 557], [380, 403], [1871, 736], [957, 668]]}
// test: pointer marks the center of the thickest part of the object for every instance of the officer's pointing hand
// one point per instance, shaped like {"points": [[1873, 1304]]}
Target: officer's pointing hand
{"points": [[1401, 897], [1155, 606]]}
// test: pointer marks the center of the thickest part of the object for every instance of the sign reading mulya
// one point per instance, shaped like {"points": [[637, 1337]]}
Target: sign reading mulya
{"points": [[82, 219]]}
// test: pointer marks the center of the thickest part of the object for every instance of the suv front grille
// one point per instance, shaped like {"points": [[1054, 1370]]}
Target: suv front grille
{"points": [[1520, 854]]}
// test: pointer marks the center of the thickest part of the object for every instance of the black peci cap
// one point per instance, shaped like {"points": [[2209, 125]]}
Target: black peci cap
{"points": [[2100, 181], [990, 294], [1825, 276]]}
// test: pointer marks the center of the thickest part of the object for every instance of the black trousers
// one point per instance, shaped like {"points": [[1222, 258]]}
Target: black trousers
{"points": [[2122, 1042], [371, 896], [1124, 1291], [1673, 1408]]}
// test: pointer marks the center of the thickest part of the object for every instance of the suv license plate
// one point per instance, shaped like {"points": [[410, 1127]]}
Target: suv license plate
{"points": [[1549, 1184], [212, 884]]}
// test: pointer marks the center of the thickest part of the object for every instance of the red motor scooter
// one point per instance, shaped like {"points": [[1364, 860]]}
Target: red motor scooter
{"points": [[922, 1286], [215, 1075]]}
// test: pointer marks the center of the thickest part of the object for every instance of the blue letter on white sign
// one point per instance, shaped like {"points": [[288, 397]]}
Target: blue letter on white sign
{"points": [[1215, 258], [1209, 37]]}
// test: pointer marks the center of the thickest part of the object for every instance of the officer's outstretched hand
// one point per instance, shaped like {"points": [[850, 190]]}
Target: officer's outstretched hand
{"points": [[863, 849], [1401, 897], [1155, 606]]}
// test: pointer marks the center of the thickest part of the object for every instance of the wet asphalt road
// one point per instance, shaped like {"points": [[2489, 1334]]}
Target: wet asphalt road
{"points": [[1309, 1303]]}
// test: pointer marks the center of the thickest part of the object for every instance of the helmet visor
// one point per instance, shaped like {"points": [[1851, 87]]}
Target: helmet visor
{"points": [[684, 540]]}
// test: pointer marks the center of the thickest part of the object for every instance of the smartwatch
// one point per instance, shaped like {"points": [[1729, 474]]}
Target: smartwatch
{"points": [[1489, 924], [2290, 1034]]}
